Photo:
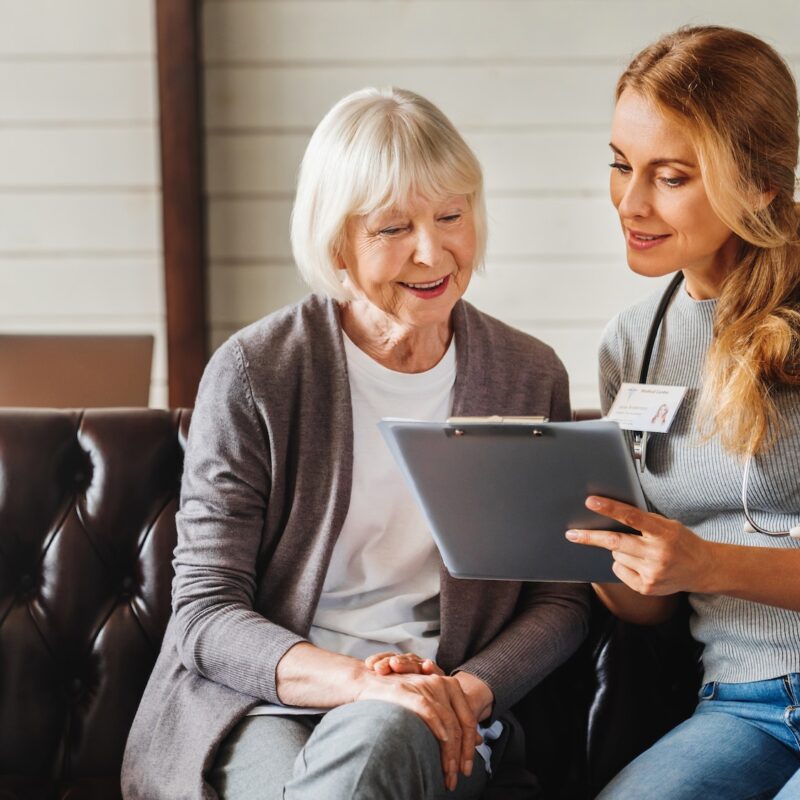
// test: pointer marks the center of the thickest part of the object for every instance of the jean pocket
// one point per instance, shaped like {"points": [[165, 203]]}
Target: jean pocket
{"points": [[708, 691]]}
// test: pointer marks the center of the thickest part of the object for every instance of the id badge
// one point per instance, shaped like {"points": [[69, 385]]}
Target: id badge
{"points": [[646, 406]]}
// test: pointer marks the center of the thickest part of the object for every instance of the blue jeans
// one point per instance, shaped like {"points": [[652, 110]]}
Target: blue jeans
{"points": [[741, 743]]}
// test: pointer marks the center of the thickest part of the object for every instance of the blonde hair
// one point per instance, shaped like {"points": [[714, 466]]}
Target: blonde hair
{"points": [[737, 99], [374, 149]]}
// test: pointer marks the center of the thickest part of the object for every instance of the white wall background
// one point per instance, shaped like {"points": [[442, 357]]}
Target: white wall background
{"points": [[80, 238], [528, 82]]}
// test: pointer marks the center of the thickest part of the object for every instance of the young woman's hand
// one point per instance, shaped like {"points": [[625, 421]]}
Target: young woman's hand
{"points": [[665, 559], [389, 662]]}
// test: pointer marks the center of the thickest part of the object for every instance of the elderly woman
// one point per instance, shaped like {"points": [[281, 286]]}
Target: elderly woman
{"points": [[302, 562]]}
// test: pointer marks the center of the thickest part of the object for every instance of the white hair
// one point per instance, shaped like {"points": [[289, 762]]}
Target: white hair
{"points": [[374, 149]]}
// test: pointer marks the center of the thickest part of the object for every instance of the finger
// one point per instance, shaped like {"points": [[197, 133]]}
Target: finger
{"points": [[405, 665], [430, 712], [468, 726], [628, 576], [430, 667], [383, 667], [451, 756], [609, 540], [625, 513], [449, 748], [424, 697], [633, 562], [450, 707], [370, 661]]}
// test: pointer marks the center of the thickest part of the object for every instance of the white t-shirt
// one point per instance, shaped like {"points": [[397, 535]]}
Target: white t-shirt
{"points": [[381, 591]]}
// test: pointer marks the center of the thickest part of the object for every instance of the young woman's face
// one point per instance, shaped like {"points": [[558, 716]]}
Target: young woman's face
{"points": [[657, 188]]}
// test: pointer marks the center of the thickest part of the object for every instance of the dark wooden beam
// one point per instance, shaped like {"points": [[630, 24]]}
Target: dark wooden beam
{"points": [[183, 212]]}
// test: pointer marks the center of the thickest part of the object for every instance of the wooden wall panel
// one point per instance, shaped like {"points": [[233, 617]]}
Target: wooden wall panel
{"points": [[78, 28], [302, 31], [65, 92], [85, 157], [79, 222], [472, 95], [80, 237], [39, 288]]}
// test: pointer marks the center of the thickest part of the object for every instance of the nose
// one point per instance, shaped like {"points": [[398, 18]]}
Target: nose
{"points": [[428, 246], [635, 200]]}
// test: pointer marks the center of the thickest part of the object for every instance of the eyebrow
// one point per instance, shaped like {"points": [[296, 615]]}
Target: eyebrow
{"points": [[656, 162], [387, 211]]}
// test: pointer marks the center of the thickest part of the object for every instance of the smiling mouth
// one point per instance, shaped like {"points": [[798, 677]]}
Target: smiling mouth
{"points": [[426, 287], [644, 241]]}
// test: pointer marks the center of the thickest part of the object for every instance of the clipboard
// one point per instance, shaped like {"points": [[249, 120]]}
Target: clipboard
{"points": [[499, 493]]}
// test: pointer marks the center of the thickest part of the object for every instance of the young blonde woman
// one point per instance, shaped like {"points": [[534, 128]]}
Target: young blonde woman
{"points": [[705, 146]]}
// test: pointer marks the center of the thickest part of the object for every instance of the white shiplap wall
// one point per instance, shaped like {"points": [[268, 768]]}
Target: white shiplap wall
{"points": [[80, 237], [529, 84]]}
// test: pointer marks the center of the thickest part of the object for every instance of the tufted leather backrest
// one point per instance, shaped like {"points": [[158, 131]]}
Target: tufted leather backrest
{"points": [[87, 530]]}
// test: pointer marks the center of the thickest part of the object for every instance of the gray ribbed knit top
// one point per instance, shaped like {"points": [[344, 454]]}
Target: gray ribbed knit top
{"points": [[699, 483]]}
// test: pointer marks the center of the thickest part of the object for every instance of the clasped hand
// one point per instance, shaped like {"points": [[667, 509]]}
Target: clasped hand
{"points": [[420, 685], [666, 558]]}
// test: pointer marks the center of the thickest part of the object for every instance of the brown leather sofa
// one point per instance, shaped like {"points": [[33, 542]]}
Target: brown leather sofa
{"points": [[87, 507]]}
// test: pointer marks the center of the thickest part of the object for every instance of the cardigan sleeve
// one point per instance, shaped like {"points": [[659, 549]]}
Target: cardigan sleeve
{"points": [[225, 490], [551, 622], [560, 409]]}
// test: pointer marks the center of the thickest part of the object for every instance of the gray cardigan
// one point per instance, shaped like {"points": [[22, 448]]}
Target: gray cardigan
{"points": [[265, 491]]}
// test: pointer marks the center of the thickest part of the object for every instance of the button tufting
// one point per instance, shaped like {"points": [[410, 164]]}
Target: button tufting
{"points": [[25, 584], [83, 471], [127, 588]]}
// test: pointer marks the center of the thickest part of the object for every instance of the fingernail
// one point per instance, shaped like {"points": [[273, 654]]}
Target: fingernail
{"points": [[593, 502], [573, 536], [451, 783], [468, 768]]}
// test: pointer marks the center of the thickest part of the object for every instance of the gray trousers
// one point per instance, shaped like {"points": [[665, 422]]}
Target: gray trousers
{"points": [[370, 750]]}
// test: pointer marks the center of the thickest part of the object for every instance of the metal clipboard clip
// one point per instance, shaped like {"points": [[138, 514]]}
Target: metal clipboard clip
{"points": [[462, 425]]}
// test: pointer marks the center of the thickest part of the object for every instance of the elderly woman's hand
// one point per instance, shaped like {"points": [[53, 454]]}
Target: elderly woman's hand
{"points": [[441, 704], [386, 663]]}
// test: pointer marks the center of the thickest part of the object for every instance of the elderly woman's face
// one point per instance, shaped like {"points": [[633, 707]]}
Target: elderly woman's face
{"points": [[413, 262]]}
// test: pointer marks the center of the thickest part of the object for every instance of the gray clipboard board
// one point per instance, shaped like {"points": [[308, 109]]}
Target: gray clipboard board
{"points": [[499, 496]]}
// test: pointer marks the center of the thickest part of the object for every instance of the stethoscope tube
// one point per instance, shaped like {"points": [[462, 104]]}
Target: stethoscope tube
{"points": [[751, 526], [640, 437]]}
